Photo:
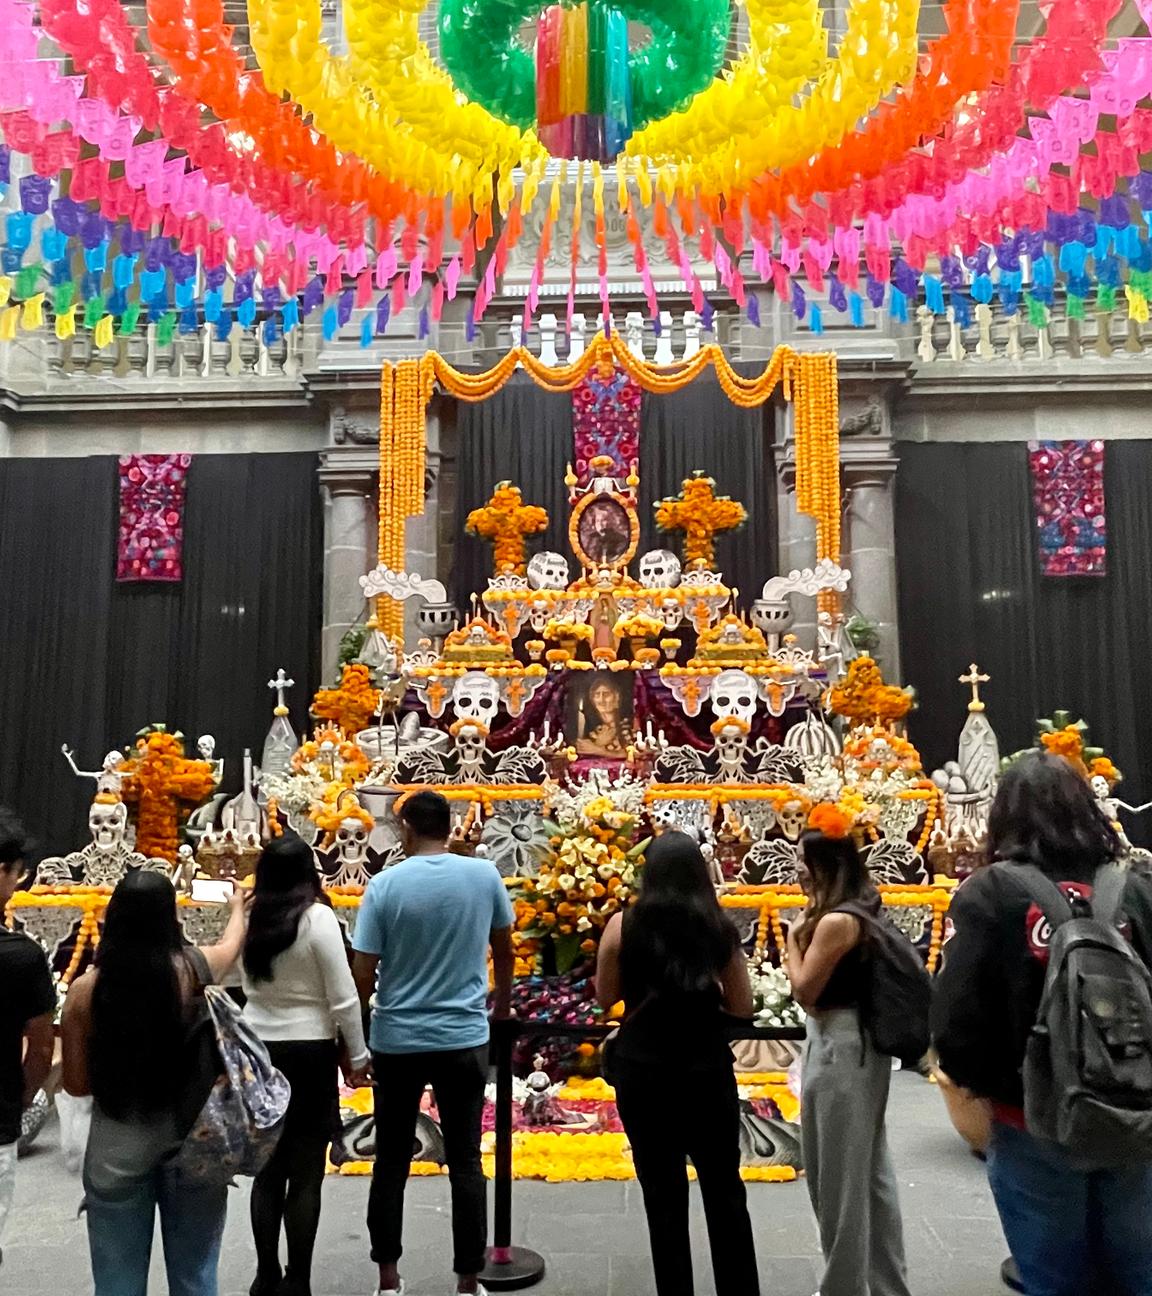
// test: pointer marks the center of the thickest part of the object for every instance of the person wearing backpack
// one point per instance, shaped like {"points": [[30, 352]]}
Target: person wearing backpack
{"points": [[127, 1040], [844, 1075], [301, 1001], [1043, 1010]]}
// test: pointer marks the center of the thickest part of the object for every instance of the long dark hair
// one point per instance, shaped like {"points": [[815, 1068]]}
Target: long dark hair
{"points": [[1045, 814], [138, 1025], [836, 874], [287, 886], [679, 938]]}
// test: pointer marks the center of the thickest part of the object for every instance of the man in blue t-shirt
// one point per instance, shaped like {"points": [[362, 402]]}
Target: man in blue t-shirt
{"points": [[422, 940]]}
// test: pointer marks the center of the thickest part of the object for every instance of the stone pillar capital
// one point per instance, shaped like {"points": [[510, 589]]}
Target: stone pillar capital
{"points": [[349, 470]]}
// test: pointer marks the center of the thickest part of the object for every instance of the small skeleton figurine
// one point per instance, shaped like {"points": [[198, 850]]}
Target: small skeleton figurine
{"points": [[538, 1105], [185, 870]]}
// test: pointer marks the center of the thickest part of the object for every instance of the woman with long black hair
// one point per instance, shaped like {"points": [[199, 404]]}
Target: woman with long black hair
{"points": [[675, 960], [844, 1080], [301, 1002], [128, 1040]]}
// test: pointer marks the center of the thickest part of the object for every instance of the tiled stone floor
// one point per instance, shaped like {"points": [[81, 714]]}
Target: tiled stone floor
{"points": [[592, 1235]]}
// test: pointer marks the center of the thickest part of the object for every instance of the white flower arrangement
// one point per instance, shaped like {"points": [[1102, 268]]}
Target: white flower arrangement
{"points": [[772, 996], [295, 792], [570, 803]]}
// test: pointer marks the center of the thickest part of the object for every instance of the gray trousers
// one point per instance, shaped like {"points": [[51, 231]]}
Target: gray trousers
{"points": [[850, 1179]]}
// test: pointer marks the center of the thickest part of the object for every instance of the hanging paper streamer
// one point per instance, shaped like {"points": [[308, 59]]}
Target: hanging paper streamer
{"points": [[151, 536], [606, 421], [583, 88], [1068, 496]]}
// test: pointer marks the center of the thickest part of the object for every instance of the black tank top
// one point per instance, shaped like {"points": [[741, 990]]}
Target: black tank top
{"points": [[665, 1026]]}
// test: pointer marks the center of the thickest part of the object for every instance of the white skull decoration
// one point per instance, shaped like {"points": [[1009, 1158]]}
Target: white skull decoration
{"points": [[734, 693], [206, 747], [1100, 788], [731, 746], [476, 697], [792, 817], [470, 748], [352, 842], [659, 569], [548, 571], [107, 821]]}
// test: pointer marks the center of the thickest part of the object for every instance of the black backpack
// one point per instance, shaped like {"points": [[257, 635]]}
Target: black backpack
{"points": [[896, 1002], [1088, 1063]]}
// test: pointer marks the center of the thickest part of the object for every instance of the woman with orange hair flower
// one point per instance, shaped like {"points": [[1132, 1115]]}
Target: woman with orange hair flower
{"points": [[845, 1080]]}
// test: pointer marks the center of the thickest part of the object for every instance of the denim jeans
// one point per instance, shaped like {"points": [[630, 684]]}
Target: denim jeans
{"points": [[191, 1225], [458, 1079], [1066, 1226]]}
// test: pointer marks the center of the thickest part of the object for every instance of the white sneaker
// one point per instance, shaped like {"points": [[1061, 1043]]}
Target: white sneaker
{"points": [[481, 1290], [390, 1291]]}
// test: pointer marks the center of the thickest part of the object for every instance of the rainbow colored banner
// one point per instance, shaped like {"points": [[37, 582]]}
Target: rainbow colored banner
{"points": [[583, 91]]}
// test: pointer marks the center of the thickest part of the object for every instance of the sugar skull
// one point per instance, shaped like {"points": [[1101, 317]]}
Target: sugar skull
{"points": [[548, 571], [659, 569], [476, 697], [734, 693]]}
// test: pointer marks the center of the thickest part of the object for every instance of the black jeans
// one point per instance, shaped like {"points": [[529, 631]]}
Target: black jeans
{"points": [[664, 1134], [458, 1079]]}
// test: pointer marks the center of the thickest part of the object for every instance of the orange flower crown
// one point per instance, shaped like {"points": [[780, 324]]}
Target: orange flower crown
{"points": [[830, 820]]}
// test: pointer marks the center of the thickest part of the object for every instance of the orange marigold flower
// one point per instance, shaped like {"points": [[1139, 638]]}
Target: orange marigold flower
{"points": [[829, 820]]}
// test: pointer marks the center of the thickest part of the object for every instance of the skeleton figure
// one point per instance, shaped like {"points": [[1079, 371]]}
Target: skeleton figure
{"points": [[792, 817], [734, 693], [731, 751], [471, 751], [351, 851], [108, 778], [108, 823], [476, 697], [106, 858], [548, 571], [660, 569], [206, 750], [538, 1108]]}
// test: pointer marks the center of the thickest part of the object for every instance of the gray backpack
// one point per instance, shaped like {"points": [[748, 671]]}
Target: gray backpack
{"points": [[1088, 1064]]}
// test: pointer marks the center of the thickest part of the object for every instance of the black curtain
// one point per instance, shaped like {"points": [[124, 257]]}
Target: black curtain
{"points": [[971, 590], [524, 435], [699, 428], [89, 662]]}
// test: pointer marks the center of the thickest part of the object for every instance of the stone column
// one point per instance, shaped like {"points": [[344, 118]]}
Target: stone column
{"points": [[348, 477], [869, 547], [796, 532]]}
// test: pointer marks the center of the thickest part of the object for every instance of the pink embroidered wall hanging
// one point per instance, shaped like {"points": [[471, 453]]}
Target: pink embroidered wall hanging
{"points": [[151, 540], [1068, 496], [606, 421]]}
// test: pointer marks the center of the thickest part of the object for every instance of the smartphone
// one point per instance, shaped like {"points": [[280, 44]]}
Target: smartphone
{"points": [[205, 891]]}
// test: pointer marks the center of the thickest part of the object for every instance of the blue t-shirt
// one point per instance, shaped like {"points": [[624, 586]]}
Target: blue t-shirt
{"points": [[429, 919]]}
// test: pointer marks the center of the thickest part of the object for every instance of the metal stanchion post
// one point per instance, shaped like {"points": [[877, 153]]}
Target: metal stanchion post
{"points": [[509, 1268]]}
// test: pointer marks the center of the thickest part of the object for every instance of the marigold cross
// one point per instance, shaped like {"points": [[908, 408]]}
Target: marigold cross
{"points": [[164, 786], [701, 515], [506, 520]]}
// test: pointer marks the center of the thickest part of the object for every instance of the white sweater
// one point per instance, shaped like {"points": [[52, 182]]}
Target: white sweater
{"points": [[311, 995]]}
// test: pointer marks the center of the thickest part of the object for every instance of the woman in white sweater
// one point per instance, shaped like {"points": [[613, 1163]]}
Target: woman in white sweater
{"points": [[302, 1002]]}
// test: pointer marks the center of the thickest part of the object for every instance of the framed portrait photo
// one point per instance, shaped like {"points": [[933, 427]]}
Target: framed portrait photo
{"points": [[604, 531], [600, 713]]}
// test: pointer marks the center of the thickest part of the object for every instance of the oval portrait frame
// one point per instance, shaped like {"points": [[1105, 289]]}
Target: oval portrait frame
{"points": [[574, 523]]}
